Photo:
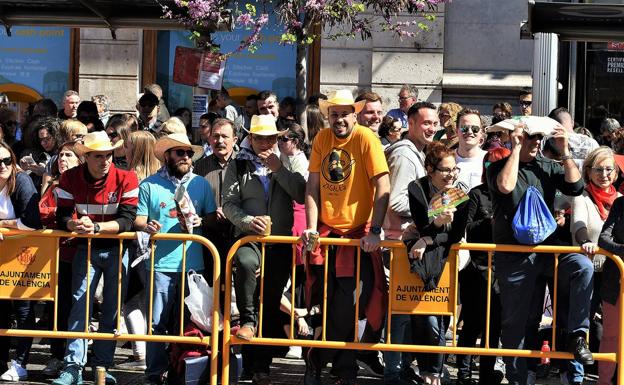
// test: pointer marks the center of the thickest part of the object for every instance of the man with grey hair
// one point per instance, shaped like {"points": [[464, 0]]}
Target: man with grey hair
{"points": [[71, 100], [103, 104], [408, 95], [163, 112]]}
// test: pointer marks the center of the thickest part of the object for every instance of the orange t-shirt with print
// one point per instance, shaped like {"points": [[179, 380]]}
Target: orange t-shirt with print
{"points": [[346, 167]]}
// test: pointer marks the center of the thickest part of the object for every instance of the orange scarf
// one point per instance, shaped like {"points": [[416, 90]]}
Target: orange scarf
{"points": [[602, 198]]}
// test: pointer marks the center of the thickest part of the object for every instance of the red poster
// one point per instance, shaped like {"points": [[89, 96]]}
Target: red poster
{"points": [[616, 46], [186, 65]]}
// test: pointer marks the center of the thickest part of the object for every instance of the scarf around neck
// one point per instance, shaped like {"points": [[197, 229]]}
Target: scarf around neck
{"points": [[260, 170], [603, 199], [164, 173]]}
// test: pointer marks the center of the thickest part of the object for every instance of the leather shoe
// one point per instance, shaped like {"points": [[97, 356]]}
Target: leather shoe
{"points": [[581, 352], [313, 371], [246, 332]]}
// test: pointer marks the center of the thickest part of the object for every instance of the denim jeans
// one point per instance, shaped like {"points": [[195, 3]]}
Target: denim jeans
{"points": [[401, 333], [429, 330], [165, 306], [518, 275], [104, 263], [25, 317]]}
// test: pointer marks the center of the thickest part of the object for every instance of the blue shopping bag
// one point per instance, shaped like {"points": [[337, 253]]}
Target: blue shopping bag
{"points": [[533, 222]]}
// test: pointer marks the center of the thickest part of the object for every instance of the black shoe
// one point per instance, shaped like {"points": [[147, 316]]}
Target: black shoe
{"points": [[465, 381], [581, 352], [312, 374], [372, 362]]}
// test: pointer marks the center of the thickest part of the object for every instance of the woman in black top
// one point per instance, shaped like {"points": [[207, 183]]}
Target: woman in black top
{"points": [[429, 252]]}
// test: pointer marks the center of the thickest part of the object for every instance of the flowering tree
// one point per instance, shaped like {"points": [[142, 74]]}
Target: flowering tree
{"points": [[303, 22]]}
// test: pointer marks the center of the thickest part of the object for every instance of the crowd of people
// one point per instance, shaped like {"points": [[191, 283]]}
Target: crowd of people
{"points": [[356, 172]]}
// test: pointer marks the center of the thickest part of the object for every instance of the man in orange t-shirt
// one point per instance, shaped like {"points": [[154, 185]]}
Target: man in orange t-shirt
{"points": [[346, 197]]}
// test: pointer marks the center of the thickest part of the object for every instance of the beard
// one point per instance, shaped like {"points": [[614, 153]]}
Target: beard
{"points": [[177, 169]]}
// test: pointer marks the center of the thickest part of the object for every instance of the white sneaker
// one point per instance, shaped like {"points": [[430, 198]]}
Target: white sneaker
{"points": [[294, 352], [53, 368], [15, 373]]}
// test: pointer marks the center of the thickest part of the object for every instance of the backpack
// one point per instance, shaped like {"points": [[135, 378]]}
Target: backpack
{"points": [[533, 222]]}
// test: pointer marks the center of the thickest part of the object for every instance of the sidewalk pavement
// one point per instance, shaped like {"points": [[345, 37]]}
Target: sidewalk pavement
{"points": [[283, 371]]}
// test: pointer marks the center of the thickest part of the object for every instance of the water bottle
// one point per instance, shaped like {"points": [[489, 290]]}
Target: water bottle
{"points": [[545, 348]]}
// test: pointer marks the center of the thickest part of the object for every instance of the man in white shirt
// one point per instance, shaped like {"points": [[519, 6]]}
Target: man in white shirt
{"points": [[469, 155]]}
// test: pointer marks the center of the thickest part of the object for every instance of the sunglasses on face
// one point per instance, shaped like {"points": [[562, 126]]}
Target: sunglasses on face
{"points": [[535, 136], [180, 153], [7, 161], [447, 171], [113, 135], [285, 139], [474, 129], [526, 103]]}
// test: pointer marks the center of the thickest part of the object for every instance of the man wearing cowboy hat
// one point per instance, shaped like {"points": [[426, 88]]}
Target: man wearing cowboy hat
{"points": [[95, 197], [157, 213], [257, 198], [346, 197]]}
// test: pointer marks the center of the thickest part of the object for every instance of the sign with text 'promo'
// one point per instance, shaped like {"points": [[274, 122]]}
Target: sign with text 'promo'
{"points": [[407, 294], [27, 266]]}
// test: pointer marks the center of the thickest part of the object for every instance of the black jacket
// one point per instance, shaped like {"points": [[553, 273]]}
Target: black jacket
{"points": [[612, 239]]}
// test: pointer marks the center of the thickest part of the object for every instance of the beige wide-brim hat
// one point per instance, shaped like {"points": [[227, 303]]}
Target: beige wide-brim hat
{"points": [[96, 141], [264, 125], [340, 98], [170, 141]]}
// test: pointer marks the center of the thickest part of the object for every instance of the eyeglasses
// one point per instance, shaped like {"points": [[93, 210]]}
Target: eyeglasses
{"points": [[285, 139], [535, 136], [474, 129], [526, 103], [447, 171], [395, 129], [180, 152], [113, 134], [404, 97], [603, 170], [7, 161]]}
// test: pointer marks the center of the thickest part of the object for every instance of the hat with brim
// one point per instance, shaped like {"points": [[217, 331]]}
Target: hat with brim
{"points": [[264, 125], [170, 141], [340, 98], [96, 141]]}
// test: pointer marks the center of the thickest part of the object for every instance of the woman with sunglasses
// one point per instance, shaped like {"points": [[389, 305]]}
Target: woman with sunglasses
{"points": [[389, 131], [435, 236], [119, 126], [18, 210], [66, 159], [589, 213]]}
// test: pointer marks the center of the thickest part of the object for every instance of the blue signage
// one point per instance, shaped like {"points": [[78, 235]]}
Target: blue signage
{"points": [[36, 58]]}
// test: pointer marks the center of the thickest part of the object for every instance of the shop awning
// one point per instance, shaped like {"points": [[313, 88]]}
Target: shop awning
{"points": [[111, 14], [571, 21]]}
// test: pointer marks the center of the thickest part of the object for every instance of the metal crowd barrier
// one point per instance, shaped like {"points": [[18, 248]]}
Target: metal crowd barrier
{"points": [[397, 253], [28, 246]]}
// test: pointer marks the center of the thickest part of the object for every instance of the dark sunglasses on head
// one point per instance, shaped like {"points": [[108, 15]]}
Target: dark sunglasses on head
{"points": [[7, 161], [526, 103], [535, 136], [113, 134], [474, 129], [179, 152]]}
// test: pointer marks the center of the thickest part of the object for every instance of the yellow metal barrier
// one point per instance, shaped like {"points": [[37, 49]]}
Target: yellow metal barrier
{"points": [[397, 251], [34, 249]]}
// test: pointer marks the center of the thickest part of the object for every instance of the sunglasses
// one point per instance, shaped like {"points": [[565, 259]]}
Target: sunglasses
{"points": [[179, 152], [7, 161], [285, 139], [535, 136], [113, 135], [474, 129], [526, 103]]}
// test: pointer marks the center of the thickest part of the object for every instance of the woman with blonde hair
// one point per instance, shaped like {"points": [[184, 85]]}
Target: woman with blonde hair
{"points": [[447, 112], [139, 148]]}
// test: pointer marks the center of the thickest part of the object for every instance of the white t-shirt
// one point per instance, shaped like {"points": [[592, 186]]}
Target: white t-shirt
{"points": [[470, 169]]}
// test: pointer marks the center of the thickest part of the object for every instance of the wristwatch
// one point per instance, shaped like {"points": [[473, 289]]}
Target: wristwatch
{"points": [[96, 228], [375, 230]]}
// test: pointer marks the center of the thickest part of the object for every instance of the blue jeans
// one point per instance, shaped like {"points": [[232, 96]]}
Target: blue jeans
{"points": [[401, 333], [165, 306], [518, 275], [104, 263], [429, 330]]}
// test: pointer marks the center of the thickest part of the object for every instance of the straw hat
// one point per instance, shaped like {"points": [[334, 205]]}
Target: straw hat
{"points": [[264, 125], [170, 141], [96, 141], [340, 98]]}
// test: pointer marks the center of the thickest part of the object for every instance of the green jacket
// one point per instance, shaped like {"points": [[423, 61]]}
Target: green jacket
{"points": [[243, 196]]}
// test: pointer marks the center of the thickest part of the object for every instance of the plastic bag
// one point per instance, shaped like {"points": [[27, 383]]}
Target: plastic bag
{"points": [[200, 302], [533, 222]]}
